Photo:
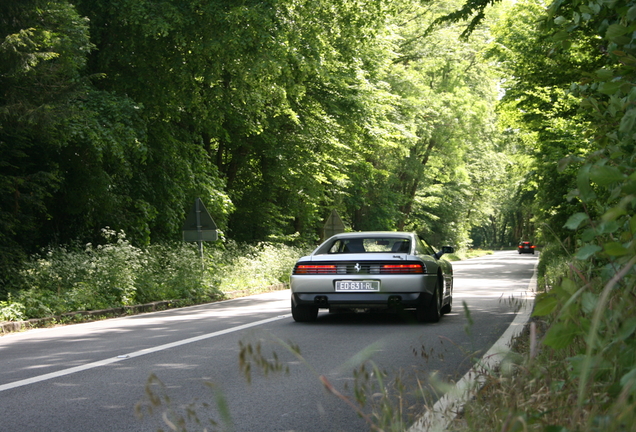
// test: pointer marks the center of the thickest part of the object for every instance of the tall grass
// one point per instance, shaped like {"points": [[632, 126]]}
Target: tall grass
{"points": [[116, 273]]}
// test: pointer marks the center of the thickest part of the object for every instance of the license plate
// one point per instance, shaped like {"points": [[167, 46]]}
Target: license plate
{"points": [[358, 285]]}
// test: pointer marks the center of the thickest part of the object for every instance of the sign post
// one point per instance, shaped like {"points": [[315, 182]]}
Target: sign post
{"points": [[199, 226]]}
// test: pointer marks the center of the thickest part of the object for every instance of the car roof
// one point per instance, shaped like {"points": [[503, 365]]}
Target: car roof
{"points": [[322, 248], [362, 234]]}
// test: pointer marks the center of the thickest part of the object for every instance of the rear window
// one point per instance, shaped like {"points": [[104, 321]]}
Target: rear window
{"points": [[370, 245]]}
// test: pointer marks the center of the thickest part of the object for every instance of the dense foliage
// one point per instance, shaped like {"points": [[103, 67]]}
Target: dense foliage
{"points": [[120, 114], [116, 273], [571, 92]]}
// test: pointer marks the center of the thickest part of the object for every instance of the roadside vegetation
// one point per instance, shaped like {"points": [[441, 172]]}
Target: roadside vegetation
{"points": [[116, 273], [576, 369], [467, 254], [573, 368]]}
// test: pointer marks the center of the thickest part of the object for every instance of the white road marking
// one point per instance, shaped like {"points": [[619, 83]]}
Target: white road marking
{"points": [[139, 353]]}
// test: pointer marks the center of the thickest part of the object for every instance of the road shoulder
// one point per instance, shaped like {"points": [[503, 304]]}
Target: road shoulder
{"points": [[445, 411]]}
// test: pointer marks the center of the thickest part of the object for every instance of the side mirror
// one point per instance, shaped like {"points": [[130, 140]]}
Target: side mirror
{"points": [[445, 250], [448, 249]]}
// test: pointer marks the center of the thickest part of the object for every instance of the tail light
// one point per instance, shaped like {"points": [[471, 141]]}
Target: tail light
{"points": [[315, 269], [402, 268]]}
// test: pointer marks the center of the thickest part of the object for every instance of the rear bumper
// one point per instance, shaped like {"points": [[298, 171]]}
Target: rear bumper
{"points": [[361, 300]]}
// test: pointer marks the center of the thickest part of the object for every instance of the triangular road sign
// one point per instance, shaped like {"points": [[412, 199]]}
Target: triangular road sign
{"points": [[334, 225], [199, 225]]}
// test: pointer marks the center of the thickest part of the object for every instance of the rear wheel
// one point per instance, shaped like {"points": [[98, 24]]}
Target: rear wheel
{"points": [[304, 313], [433, 311]]}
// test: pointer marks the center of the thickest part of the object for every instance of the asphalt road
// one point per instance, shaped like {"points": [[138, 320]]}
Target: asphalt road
{"points": [[90, 377]]}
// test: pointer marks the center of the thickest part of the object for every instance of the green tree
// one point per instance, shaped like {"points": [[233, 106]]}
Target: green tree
{"points": [[573, 88], [540, 105], [443, 129], [78, 156], [42, 51], [267, 90]]}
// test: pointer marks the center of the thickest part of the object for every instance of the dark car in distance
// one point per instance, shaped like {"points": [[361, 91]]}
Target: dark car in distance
{"points": [[526, 247]]}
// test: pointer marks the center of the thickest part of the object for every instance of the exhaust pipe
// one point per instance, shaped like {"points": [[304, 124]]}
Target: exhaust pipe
{"points": [[395, 301], [321, 301]]}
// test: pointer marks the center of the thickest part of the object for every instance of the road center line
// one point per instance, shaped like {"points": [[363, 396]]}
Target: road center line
{"points": [[139, 353]]}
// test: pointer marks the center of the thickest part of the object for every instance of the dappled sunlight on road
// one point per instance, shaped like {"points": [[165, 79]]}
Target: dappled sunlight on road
{"points": [[503, 279], [162, 322], [271, 302], [97, 343], [181, 366], [512, 295]]}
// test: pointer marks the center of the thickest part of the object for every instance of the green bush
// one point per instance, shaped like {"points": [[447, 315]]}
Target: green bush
{"points": [[554, 264], [11, 311], [244, 267], [463, 254], [171, 271], [116, 273], [67, 279]]}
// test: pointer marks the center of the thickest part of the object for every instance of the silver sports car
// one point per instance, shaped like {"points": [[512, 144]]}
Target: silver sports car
{"points": [[364, 271]]}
